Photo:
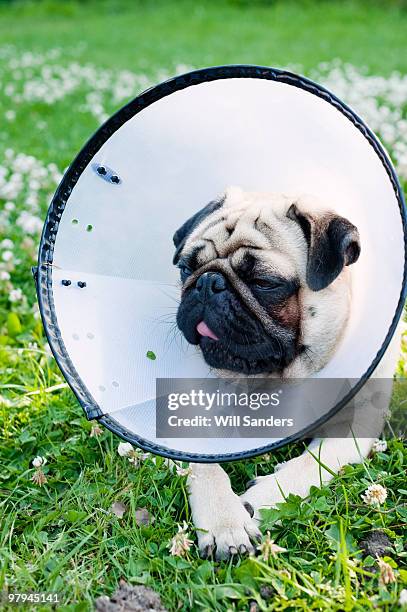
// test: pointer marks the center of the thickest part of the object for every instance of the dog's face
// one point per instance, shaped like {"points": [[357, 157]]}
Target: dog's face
{"points": [[263, 282]]}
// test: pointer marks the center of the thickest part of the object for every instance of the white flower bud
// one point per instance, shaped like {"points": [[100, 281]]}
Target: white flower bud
{"points": [[124, 449]]}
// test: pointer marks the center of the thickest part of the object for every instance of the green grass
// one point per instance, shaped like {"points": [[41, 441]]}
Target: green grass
{"points": [[161, 34], [156, 33], [62, 536]]}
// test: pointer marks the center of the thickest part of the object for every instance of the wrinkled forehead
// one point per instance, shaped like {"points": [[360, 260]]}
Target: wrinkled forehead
{"points": [[254, 224]]}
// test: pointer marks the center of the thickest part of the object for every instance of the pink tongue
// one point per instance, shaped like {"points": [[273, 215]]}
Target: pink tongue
{"points": [[204, 330]]}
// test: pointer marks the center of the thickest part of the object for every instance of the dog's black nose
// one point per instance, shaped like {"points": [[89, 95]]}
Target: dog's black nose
{"points": [[209, 283]]}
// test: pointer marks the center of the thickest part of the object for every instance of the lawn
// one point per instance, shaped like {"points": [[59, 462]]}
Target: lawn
{"points": [[65, 67]]}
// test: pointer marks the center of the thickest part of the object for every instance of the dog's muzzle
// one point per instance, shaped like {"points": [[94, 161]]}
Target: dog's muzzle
{"points": [[211, 278]]}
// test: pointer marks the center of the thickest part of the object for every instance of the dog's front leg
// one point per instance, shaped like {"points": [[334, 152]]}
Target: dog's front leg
{"points": [[299, 474], [314, 467], [222, 521]]}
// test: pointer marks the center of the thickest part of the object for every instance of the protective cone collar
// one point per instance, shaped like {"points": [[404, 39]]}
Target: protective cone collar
{"points": [[105, 280]]}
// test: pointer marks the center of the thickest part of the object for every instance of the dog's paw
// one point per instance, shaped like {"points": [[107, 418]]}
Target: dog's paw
{"points": [[295, 476], [263, 492], [226, 531]]}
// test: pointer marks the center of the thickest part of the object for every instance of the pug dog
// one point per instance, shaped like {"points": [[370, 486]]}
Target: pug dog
{"points": [[266, 291]]}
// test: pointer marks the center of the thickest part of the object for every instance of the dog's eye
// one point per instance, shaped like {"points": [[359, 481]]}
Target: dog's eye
{"points": [[266, 284], [184, 272]]}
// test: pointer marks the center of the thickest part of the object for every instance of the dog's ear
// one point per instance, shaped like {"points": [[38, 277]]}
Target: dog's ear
{"points": [[186, 229], [333, 242]]}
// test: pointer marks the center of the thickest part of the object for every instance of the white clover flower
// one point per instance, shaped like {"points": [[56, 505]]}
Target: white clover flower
{"points": [[7, 256], [32, 201], [4, 275], [7, 244], [134, 456], [39, 477], [16, 295], [386, 572], [180, 544], [403, 598], [10, 115], [29, 223], [379, 446], [184, 471], [374, 495], [39, 461], [95, 431], [269, 548], [34, 184], [125, 449]]}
